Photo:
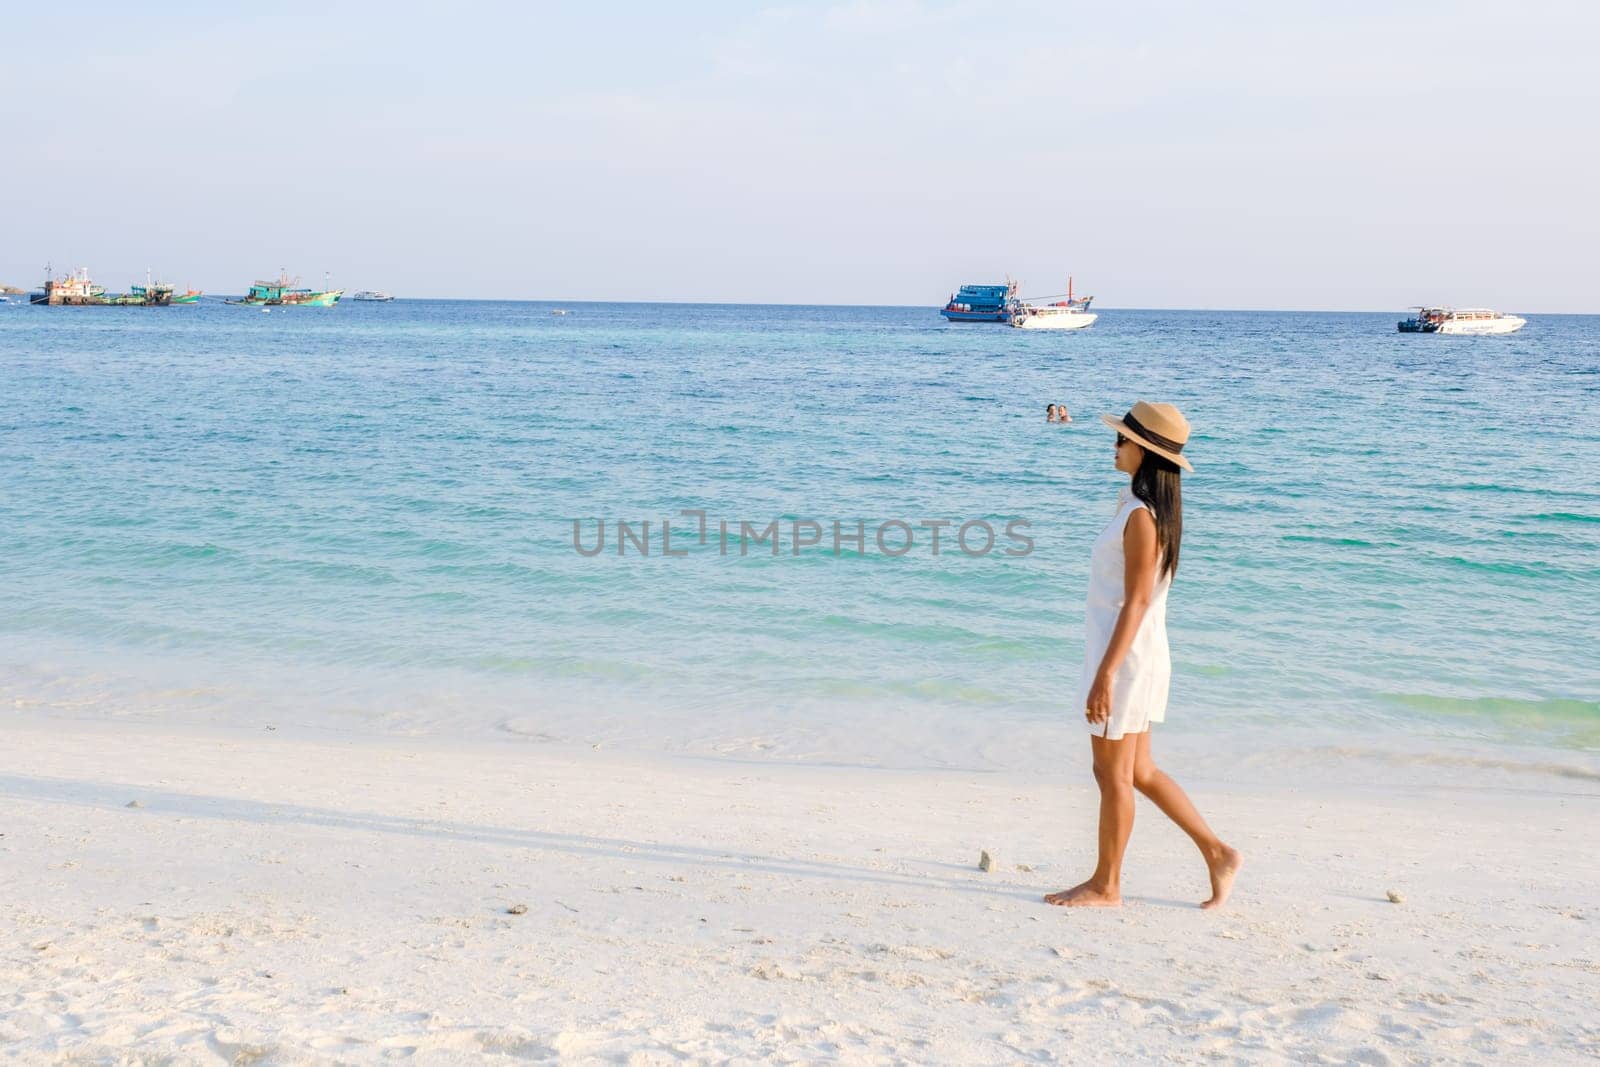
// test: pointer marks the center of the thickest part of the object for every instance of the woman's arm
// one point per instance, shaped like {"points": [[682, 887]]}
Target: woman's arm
{"points": [[1140, 551]]}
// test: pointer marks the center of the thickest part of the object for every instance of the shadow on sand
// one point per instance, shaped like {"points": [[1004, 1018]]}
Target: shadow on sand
{"points": [[109, 796]]}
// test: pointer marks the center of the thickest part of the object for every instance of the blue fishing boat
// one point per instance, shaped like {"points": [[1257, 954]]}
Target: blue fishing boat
{"points": [[982, 303]]}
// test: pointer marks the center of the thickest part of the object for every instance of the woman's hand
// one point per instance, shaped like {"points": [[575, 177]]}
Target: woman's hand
{"points": [[1098, 708]]}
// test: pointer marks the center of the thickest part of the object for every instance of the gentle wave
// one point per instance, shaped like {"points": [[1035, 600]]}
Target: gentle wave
{"points": [[1565, 516], [1444, 759], [1499, 705]]}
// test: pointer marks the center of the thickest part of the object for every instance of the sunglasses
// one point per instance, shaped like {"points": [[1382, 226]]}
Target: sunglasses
{"points": [[1121, 440]]}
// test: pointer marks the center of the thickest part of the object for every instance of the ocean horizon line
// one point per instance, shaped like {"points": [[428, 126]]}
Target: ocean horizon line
{"points": [[1099, 306], [215, 295]]}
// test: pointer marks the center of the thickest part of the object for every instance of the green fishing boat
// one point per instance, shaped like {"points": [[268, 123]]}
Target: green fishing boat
{"points": [[287, 292], [157, 294]]}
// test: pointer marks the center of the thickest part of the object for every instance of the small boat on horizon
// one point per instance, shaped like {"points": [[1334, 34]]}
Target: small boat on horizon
{"points": [[78, 290], [287, 292], [372, 296], [981, 303], [1071, 313], [152, 293], [1461, 321]]}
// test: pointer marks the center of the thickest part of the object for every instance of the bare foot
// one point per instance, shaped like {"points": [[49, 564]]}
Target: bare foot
{"points": [[1086, 895], [1224, 866]]}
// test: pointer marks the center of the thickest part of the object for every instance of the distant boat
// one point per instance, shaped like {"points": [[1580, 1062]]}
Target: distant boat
{"points": [[286, 292], [981, 303], [78, 290], [188, 296], [75, 290], [151, 294], [559, 311], [1051, 317], [1070, 314], [1462, 321], [156, 295], [375, 296]]}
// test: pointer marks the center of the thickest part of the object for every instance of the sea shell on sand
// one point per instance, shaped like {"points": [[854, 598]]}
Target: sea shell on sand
{"points": [[1396, 897], [985, 863]]}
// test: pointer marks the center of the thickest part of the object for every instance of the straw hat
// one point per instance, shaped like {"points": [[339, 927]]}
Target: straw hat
{"points": [[1161, 428]]}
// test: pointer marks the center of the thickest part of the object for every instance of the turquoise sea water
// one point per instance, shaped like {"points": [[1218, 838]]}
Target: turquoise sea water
{"points": [[362, 519]]}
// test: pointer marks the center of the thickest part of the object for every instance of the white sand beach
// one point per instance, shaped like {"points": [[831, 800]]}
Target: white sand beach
{"points": [[183, 896]]}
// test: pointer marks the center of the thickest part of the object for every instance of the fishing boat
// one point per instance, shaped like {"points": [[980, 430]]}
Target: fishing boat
{"points": [[70, 290], [79, 290], [1070, 313], [152, 296], [188, 296], [1461, 321], [981, 303], [287, 292], [375, 296]]}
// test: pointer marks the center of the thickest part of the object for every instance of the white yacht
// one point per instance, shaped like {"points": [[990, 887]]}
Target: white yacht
{"points": [[372, 295], [1051, 317], [1070, 314], [1461, 320]]}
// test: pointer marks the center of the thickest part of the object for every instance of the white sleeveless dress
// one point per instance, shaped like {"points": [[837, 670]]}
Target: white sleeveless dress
{"points": [[1139, 689]]}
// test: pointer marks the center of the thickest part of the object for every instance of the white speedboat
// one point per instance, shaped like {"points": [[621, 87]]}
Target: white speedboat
{"points": [[1051, 317], [1070, 314], [372, 296], [1461, 320]]}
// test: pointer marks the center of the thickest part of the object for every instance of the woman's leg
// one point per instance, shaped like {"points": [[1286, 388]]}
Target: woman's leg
{"points": [[1113, 771], [1222, 862]]}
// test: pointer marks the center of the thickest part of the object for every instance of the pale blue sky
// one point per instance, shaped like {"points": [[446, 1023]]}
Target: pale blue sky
{"points": [[1168, 155]]}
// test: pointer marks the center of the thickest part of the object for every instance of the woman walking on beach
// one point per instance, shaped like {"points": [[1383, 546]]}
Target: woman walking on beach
{"points": [[1126, 667]]}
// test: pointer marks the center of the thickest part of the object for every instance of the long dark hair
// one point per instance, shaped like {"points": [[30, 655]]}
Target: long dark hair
{"points": [[1158, 484]]}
